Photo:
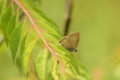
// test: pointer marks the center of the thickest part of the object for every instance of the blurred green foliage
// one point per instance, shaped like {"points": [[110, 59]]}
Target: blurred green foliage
{"points": [[99, 27]]}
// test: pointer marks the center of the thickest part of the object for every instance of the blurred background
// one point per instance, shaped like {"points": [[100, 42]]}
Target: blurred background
{"points": [[98, 22]]}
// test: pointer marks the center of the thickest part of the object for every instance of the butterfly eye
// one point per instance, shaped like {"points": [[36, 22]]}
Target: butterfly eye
{"points": [[59, 41], [75, 50], [58, 62]]}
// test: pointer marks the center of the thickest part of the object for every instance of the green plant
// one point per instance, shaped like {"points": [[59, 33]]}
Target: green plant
{"points": [[24, 27]]}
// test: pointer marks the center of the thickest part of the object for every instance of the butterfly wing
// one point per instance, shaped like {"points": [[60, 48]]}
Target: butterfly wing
{"points": [[64, 42], [73, 39]]}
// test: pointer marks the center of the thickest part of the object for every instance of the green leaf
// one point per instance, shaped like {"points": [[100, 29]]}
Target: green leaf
{"points": [[11, 24], [2, 7], [40, 19], [10, 27], [20, 54], [14, 41], [43, 16], [50, 38], [84, 74], [43, 65], [31, 40], [4, 22], [6, 17], [54, 70], [46, 19], [18, 62], [50, 77], [22, 46]]}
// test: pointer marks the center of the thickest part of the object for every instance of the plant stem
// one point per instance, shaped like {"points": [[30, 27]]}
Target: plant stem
{"points": [[34, 25], [68, 13]]}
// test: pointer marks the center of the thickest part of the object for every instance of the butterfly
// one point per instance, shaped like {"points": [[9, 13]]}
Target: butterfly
{"points": [[71, 41]]}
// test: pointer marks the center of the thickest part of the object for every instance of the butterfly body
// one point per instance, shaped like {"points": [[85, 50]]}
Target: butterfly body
{"points": [[71, 41]]}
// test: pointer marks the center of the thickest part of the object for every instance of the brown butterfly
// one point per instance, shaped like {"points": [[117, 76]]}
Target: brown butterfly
{"points": [[71, 41]]}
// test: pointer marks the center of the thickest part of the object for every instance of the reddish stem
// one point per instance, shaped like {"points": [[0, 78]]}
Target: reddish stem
{"points": [[38, 31], [34, 25]]}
